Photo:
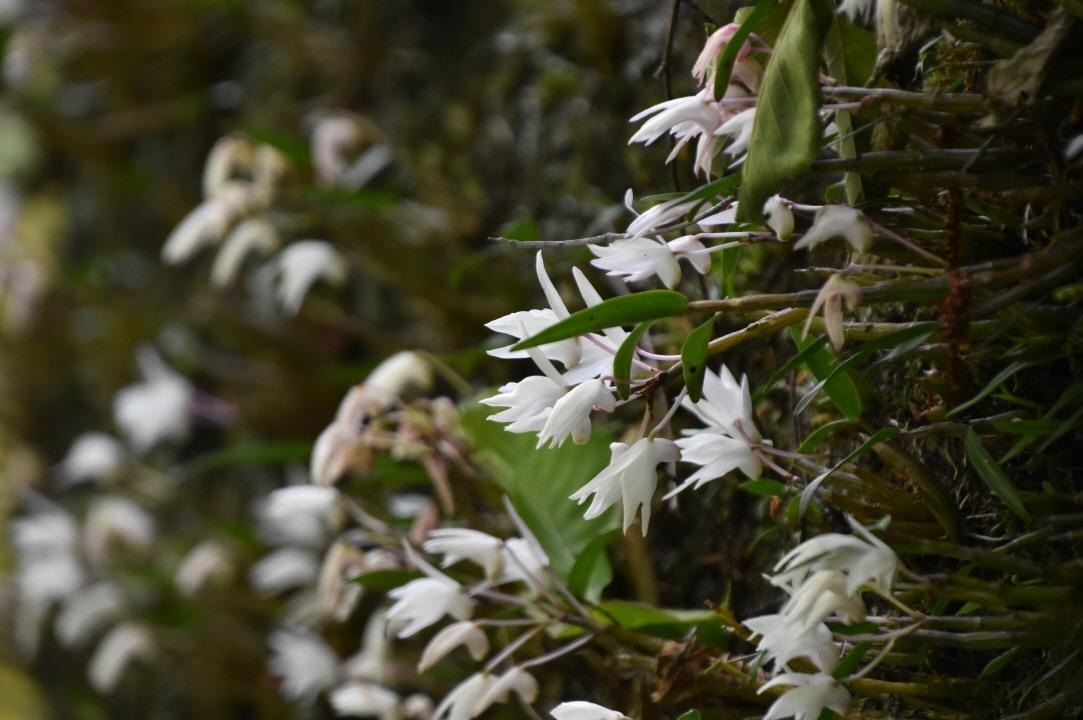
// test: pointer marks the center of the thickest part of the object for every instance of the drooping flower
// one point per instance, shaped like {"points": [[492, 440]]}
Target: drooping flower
{"points": [[421, 602], [86, 612], [116, 522], [465, 633], [725, 405], [630, 477], [695, 117], [863, 558], [820, 595], [457, 544], [833, 221], [810, 695], [570, 415], [299, 515], [284, 569], [460, 702], [204, 226], [583, 710], [120, 647], [784, 640], [515, 680], [832, 295], [300, 265], [207, 562], [718, 455], [253, 235]]}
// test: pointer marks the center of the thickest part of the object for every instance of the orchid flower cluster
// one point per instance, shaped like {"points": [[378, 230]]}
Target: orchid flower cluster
{"points": [[241, 180]]}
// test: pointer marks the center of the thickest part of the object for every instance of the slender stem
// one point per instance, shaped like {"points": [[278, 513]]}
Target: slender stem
{"points": [[510, 649], [559, 652], [953, 102]]}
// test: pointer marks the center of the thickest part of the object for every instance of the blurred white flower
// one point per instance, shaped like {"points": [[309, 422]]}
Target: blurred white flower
{"points": [[1074, 147], [465, 633], [87, 611], [739, 130], [304, 662], [857, 10], [93, 457], [417, 706], [205, 225], [337, 595], [460, 702], [864, 558], [783, 640], [819, 596], [335, 135], [457, 544], [361, 699], [300, 264], [515, 680], [421, 602], [630, 477], [833, 221], [209, 561], [779, 217], [524, 561], [831, 297], [115, 522], [392, 378], [229, 159], [299, 515], [582, 710], [44, 533], [370, 661], [156, 410], [283, 570], [124, 644], [810, 695], [253, 235]]}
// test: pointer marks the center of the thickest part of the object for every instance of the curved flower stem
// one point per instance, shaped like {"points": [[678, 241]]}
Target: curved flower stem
{"points": [[559, 652], [669, 413], [510, 649]]}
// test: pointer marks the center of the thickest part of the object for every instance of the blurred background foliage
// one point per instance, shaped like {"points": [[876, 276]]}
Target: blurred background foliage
{"points": [[505, 118]]}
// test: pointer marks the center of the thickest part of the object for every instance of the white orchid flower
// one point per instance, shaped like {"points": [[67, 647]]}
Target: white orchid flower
{"points": [[630, 477], [810, 695], [833, 221], [583, 710], [464, 633]]}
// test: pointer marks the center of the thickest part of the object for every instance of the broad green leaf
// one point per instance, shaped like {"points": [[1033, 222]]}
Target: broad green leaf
{"points": [[384, 580], [786, 132], [810, 489], [764, 487], [539, 481], [993, 475], [840, 387], [664, 623], [621, 310], [694, 358], [252, 453], [849, 664], [591, 572], [622, 361]]}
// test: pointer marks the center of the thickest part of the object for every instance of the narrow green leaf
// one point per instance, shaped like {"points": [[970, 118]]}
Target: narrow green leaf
{"points": [[993, 475], [810, 489], [1068, 424], [835, 52], [694, 358], [816, 436], [840, 388], [622, 361], [791, 365], [992, 385], [251, 453], [622, 310], [786, 132], [848, 664], [690, 715], [999, 662]]}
